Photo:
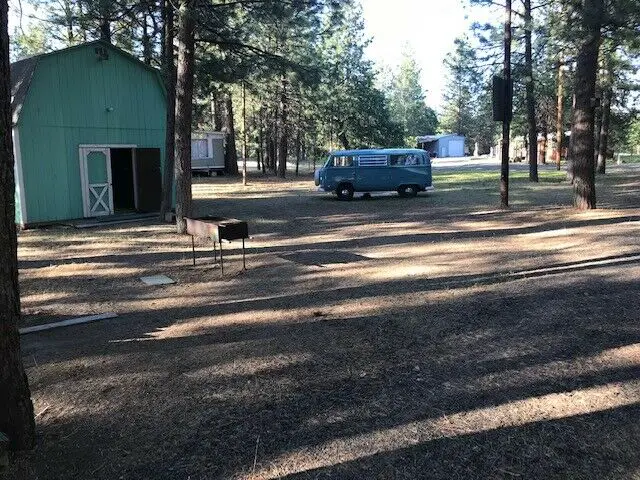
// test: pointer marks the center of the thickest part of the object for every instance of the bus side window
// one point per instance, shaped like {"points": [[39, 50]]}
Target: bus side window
{"points": [[405, 160], [411, 160], [343, 161], [397, 160], [418, 159]]}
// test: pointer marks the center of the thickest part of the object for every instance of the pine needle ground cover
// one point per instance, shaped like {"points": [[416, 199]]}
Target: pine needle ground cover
{"points": [[451, 340]]}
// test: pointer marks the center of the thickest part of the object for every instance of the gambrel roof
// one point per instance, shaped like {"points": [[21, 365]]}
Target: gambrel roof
{"points": [[22, 73]]}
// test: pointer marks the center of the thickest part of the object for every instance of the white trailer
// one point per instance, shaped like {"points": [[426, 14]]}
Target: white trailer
{"points": [[207, 152]]}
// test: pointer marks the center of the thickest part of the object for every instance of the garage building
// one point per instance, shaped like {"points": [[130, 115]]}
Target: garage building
{"points": [[445, 145]]}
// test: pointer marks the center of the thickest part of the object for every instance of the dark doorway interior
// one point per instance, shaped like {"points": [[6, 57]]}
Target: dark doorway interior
{"points": [[148, 179], [122, 180]]}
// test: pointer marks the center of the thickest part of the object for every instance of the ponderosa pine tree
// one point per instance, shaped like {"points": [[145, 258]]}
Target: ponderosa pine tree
{"points": [[532, 127], [16, 409], [582, 130], [169, 72], [407, 101], [184, 110], [346, 96], [467, 108], [461, 90]]}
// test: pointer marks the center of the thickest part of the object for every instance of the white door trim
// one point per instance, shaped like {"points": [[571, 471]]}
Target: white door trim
{"points": [[84, 179], [17, 155], [89, 191]]}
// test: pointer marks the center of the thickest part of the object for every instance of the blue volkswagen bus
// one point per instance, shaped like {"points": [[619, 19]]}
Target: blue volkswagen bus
{"points": [[404, 170]]}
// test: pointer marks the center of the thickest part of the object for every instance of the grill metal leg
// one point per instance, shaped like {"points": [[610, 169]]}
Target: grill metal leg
{"points": [[193, 250], [215, 253], [244, 264], [221, 261]]}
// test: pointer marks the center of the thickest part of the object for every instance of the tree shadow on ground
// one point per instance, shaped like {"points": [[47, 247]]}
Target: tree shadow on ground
{"points": [[585, 446], [371, 241], [328, 296], [184, 392], [173, 406]]}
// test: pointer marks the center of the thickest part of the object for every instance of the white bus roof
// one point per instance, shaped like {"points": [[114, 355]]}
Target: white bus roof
{"points": [[380, 151]]}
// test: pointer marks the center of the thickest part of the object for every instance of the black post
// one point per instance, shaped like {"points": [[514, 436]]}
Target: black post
{"points": [[506, 124]]}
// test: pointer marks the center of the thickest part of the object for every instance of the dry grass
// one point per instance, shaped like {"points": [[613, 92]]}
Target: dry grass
{"points": [[435, 337]]}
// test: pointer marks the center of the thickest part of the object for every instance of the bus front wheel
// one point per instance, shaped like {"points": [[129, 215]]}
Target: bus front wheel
{"points": [[408, 191], [344, 191]]}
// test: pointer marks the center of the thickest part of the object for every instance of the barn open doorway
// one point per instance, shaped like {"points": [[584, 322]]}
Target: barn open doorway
{"points": [[120, 179], [123, 182]]}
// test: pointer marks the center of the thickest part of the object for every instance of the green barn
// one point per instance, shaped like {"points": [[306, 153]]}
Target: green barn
{"points": [[88, 134]]}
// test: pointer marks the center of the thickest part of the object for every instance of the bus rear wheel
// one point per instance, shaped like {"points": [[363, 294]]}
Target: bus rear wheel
{"points": [[344, 191], [408, 191]]}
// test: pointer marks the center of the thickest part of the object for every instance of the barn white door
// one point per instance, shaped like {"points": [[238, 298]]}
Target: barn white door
{"points": [[95, 171]]}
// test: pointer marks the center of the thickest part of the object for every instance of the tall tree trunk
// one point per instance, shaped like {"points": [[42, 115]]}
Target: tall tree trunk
{"points": [[542, 154], [266, 161], [582, 141], [260, 152], [169, 70], [559, 117], [459, 112], [342, 135], [298, 149], [244, 133], [217, 111], [597, 114], [314, 152], [231, 152], [604, 131], [283, 139], [105, 23], [506, 124], [570, 173], [82, 23], [146, 41], [68, 13], [272, 151], [272, 140], [16, 409], [530, 92], [105, 30], [184, 111], [304, 149], [156, 29]]}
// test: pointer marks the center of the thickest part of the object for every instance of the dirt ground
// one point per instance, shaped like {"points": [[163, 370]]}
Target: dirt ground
{"points": [[435, 337]]}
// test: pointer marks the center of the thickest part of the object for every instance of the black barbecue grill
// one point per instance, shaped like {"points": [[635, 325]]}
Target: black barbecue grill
{"points": [[218, 229]]}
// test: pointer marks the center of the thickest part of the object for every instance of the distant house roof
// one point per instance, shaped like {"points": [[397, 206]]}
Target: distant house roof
{"points": [[433, 138], [22, 73]]}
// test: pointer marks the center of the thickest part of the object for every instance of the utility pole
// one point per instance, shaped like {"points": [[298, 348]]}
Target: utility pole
{"points": [[244, 134], [506, 124]]}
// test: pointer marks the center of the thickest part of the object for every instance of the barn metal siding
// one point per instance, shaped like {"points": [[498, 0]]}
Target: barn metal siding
{"points": [[18, 209], [76, 99], [17, 175]]}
